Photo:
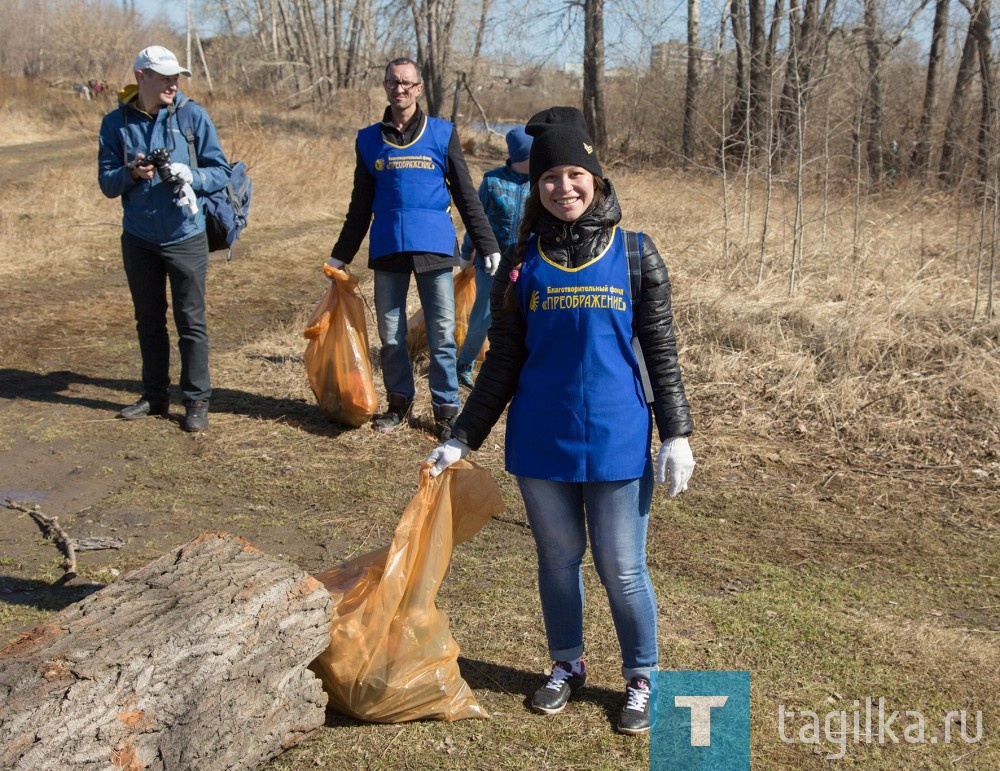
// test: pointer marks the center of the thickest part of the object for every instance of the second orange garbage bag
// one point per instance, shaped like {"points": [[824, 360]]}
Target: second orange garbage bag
{"points": [[336, 357], [392, 657], [465, 296]]}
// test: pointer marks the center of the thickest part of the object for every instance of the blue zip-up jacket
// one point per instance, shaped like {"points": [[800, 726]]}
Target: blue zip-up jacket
{"points": [[149, 207], [502, 192]]}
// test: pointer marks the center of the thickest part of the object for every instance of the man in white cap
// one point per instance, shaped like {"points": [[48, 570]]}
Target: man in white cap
{"points": [[145, 159]]}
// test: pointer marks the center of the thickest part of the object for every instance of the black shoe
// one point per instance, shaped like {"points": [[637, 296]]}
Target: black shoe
{"points": [[634, 717], [195, 417], [465, 377], [551, 698], [390, 420], [144, 407], [444, 421]]}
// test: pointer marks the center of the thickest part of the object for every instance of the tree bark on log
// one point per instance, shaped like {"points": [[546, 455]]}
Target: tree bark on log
{"points": [[197, 661]]}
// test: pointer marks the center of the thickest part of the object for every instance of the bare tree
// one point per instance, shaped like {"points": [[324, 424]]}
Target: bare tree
{"points": [[877, 45], [809, 26], [733, 140], [920, 157], [593, 72], [988, 112], [692, 86], [433, 23], [963, 79], [755, 54]]}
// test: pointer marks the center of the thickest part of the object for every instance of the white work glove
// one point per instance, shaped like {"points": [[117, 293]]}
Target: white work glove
{"points": [[447, 454], [463, 264], [492, 263], [675, 456], [336, 264], [186, 197], [181, 173]]}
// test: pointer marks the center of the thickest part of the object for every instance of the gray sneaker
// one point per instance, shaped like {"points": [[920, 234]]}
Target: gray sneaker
{"points": [[551, 698], [465, 377], [634, 717]]}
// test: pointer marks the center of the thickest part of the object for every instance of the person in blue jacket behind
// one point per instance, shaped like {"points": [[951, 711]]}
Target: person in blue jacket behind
{"points": [[581, 417], [502, 193], [163, 228]]}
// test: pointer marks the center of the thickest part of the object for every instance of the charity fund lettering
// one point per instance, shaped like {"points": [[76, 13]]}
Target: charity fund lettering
{"points": [[394, 162], [559, 298]]}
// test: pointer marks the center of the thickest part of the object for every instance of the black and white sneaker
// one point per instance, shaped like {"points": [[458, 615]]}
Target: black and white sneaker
{"points": [[551, 698], [634, 717]]}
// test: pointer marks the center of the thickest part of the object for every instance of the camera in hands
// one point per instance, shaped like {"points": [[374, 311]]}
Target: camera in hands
{"points": [[160, 158]]}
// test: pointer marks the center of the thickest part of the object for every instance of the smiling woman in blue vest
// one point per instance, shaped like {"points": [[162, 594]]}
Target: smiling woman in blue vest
{"points": [[582, 348]]}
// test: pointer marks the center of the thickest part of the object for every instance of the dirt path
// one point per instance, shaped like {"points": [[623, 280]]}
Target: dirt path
{"points": [[19, 163]]}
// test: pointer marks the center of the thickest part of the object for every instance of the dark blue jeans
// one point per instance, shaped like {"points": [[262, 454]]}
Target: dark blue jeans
{"points": [[148, 268]]}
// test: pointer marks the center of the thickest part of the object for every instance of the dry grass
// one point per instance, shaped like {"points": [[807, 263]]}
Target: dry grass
{"points": [[839, 538]]}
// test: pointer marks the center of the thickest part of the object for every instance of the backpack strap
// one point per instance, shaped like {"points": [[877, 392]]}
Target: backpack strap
{"points": [[633, 252], [121, 107], [183, 114]]}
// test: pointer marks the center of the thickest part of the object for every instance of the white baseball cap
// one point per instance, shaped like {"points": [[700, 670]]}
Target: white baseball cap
{"points": [[159, 59]]}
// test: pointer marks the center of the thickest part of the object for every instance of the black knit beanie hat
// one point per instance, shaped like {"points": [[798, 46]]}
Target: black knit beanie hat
{"points": [[560, 139]]}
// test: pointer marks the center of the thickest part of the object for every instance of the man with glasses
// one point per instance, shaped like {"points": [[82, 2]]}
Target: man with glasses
{"points": [[409, 169]]}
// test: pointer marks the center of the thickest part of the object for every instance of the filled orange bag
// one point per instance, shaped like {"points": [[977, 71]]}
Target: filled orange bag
{"points": [[336, 357], [465, 296], [391, 656]]}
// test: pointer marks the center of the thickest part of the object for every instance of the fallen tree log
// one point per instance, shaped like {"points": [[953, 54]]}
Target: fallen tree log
{"points": [[197, 661]]}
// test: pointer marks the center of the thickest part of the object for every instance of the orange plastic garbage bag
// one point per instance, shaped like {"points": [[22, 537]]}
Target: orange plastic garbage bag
{"points": [[392, 657], [336, 357], [465, 296]]}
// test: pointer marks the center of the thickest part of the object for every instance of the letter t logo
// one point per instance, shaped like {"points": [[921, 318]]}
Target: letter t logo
{"points": [[701, 716]]}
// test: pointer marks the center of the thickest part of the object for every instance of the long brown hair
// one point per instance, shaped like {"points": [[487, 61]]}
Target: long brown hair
{"points": [[533, 209]]}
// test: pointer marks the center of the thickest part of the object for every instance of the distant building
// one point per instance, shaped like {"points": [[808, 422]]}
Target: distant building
{"points": [[573, 71], [667, 56]]}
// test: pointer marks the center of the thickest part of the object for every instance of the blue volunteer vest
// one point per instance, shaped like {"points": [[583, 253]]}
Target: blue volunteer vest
{"points": [[578, 414], [411, 210]]}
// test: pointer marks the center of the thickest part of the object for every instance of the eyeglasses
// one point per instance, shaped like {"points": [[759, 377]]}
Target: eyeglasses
{"points": [[406, 85]]}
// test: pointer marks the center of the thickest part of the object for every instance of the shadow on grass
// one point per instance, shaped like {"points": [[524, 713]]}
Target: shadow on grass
{"points": [[42, 595], [483, 675], [51, 388]]}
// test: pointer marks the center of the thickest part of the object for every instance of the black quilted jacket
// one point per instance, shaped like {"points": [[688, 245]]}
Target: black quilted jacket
{"points": [[574, 244]]}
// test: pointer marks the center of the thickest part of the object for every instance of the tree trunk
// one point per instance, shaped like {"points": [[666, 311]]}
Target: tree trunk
{"points": [[920, 157], [963, 78], [197, 661], [433, 22], [693, 85], [809, 35], [876, 97], [593, 73], [734, 145], [988, 113], [760, 76]]}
